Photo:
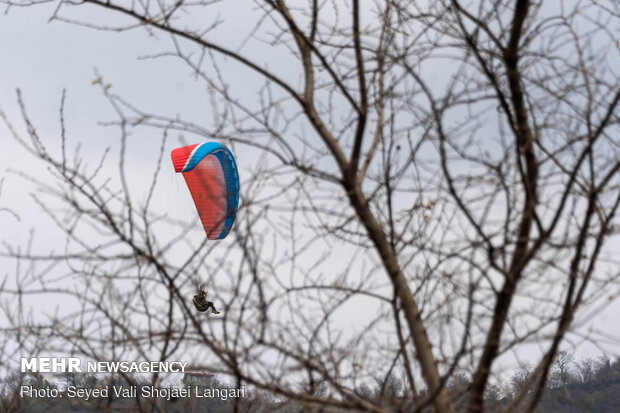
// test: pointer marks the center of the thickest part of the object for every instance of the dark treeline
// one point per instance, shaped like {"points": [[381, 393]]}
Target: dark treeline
{"points": [[574, 385], [578, 385]]}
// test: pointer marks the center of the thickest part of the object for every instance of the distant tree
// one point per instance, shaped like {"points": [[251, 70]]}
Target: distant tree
{"points": [[604, 369], [494, 394], [520, 378], [586, 370], [562, 370], [390, 388]]}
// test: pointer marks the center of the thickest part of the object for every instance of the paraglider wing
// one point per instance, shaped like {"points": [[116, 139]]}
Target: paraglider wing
{"points": [[211, 175]]}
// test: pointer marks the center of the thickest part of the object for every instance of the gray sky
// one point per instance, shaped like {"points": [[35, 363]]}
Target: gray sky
{"points": [[42, 58]]}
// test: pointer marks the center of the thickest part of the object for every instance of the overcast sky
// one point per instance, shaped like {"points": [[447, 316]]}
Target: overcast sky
{"points": [[42, 58]]}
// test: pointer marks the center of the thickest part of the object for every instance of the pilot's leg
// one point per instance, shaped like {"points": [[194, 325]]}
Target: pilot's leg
{"points": [[210, 304]]}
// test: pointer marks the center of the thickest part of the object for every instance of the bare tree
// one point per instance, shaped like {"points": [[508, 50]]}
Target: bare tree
{"points": [[561, 374], [451, 167]]}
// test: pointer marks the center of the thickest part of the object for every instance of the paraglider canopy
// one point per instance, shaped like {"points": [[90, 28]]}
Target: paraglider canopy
{"points": [[211, 175]]}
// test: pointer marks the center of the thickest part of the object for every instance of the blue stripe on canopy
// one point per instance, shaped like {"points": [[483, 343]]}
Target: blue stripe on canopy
{"points": [[231, 176]]}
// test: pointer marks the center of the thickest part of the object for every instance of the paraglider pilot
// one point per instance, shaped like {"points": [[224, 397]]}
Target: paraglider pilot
{"points": [[201, 303]]}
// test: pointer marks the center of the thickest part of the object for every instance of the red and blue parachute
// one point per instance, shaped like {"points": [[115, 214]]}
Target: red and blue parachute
{"points": [[211, 175]]}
